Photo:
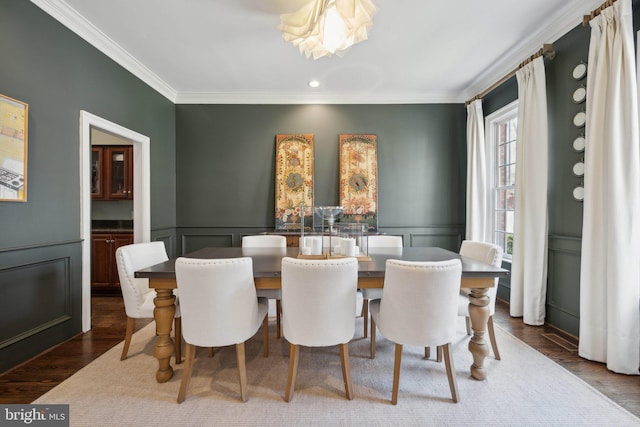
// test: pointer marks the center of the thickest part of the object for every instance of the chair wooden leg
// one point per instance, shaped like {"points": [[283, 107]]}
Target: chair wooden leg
{"points": [[451, 373], [265, 336], [242, 371], [467, 321], [294, 356], [438, 354], [492, 338], [127, 337], [346, 370], [178, 339], [396, 374], [278, 318], [187, 371], [427, 352], [372, 342], [365, 315]]}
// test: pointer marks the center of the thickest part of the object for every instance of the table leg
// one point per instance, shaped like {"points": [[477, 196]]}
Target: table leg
{"points": [[163, 314], [479, 314]]}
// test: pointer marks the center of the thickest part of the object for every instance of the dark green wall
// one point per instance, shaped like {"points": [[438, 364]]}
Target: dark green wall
{"points": [[226, 168], [58, 74]]}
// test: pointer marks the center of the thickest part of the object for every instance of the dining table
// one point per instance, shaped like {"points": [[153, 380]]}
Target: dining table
{"points": [[477, 276]]}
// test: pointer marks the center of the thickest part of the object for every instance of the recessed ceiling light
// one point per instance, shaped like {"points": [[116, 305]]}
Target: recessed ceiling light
{"points": [[314, 83]]}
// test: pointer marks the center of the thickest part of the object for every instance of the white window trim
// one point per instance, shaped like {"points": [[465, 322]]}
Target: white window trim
{"points": [[490, 155]]}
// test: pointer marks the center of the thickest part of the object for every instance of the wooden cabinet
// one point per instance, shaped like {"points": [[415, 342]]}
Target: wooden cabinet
{"points": [[104, 272], [111, 172]]}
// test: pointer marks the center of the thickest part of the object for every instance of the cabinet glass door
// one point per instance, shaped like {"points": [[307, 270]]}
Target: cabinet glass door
{"points": [[119, 176], [97, 186]]}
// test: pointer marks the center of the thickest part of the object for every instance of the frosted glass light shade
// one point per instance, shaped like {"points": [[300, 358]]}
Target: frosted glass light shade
{"points": [[328, 27]]}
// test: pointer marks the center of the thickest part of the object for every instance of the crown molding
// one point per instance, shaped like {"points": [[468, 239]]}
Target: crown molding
{"points": [[325, 98], [70, 18], [564, 22]]}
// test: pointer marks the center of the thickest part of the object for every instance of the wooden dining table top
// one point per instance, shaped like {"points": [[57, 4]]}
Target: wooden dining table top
{"points": [[267, 262]]}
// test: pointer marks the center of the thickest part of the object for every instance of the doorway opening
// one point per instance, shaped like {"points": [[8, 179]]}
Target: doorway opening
{"points": [[141, 194]]}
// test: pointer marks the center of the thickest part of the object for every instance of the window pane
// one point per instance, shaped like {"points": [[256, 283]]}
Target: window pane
{"points": [[502, 155], [509, 221], [500, 199], [512, 175], [510, 199], [502, 130], [504, 151], [502, 176], [512, 152], [500, 220], [513, 129]]}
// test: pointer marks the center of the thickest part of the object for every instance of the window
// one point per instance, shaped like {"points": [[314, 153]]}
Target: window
{"points": [[502, 129]]}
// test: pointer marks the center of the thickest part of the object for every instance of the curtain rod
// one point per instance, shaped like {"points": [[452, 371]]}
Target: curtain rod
{"points": [[587, 18], [546, 51]]}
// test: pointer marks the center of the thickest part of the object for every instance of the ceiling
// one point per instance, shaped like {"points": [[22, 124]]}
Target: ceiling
{"points": [[230, 51]]}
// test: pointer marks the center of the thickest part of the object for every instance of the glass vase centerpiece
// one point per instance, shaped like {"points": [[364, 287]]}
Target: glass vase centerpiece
{"points": [[352, 241], [328, 215]]}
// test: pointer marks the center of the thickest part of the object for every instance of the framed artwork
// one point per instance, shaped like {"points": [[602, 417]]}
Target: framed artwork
{"points": [[294, 181], [359, 179], [13, 150]]}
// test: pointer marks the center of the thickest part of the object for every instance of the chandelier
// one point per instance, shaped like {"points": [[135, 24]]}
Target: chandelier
{"points": [[328, 27]]}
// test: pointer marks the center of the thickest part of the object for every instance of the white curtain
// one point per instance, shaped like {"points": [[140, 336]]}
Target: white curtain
{"points": [[610, 272], [477, 191], [529, 268]]}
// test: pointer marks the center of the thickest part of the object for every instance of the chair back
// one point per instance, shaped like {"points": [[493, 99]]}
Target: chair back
{"points": [[489, 254], [129, 259], [419, 303], [384, 241], [218, 301], [318, 297], [264, 241], [384, 245]]}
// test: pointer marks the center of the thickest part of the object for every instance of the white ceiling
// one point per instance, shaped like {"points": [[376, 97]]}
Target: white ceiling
{"points": [[230, 51]]}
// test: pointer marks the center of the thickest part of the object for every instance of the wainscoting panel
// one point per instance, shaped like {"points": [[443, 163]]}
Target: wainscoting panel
{"points": [[44, 288], [563, 283], [450, 239], [193, 242], [168, 237], [194, 238], [40, 299]]}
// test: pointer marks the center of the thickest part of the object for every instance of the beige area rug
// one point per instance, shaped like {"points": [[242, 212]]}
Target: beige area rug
{"points": [[523, 389]]}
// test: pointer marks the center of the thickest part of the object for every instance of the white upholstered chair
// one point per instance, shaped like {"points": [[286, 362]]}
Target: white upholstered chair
{"points": [[268, 241], [138, 297], [489, 254], [419, 307], [219, 308], [381, 244], [318, 297]]}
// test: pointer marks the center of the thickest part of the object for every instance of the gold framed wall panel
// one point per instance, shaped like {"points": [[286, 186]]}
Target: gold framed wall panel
{"points": [[14, 116], [294, 180], [359, 179]]}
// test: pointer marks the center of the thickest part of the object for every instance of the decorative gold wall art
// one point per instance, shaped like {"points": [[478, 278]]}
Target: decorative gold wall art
{"points": [[359, 179], [13, 150], [294, 180]]}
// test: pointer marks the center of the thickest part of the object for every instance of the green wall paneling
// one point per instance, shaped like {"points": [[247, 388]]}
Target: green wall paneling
{"points": [[39, 299]]}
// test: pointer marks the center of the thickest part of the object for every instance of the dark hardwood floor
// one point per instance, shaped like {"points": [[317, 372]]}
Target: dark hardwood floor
{"points": [[30, 380]]}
